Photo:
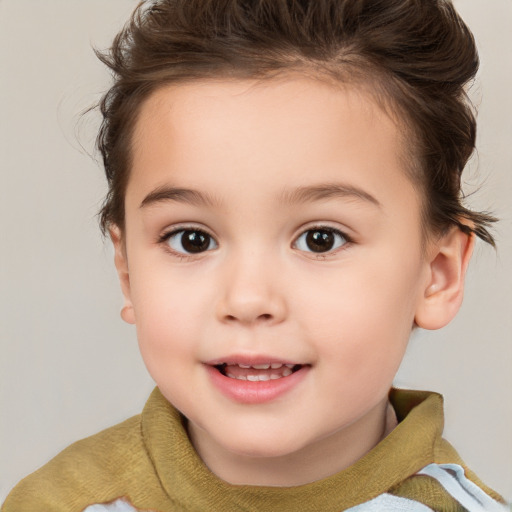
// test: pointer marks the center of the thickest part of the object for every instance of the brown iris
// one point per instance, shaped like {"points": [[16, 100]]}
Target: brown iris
{"points": [[195, 241], [320, 240]]}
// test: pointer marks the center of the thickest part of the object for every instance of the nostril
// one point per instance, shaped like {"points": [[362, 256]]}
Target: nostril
{"points": [[263, 317]]}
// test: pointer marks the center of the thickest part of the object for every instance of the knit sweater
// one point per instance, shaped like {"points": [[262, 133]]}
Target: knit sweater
{"points": [[149, 462]]}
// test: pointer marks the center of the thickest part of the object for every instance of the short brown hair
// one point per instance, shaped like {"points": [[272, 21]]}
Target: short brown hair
{"points": [[419, 54]]}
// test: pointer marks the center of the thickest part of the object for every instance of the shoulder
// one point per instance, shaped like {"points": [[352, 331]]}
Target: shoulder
{"points": [[441, 479], [447, 487], [97, 468]]}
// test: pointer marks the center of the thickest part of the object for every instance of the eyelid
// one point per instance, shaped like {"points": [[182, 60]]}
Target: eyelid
{"points": [[327, 226], [185, 226]]}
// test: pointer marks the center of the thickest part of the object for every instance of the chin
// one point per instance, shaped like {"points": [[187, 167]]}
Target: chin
{"points": [[264, 446]]}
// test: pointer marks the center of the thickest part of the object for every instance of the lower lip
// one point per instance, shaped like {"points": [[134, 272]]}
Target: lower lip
{"points": [[248, 392]]}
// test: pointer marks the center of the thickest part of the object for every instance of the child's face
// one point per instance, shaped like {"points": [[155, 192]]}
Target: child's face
{"points": [[272, 223]]}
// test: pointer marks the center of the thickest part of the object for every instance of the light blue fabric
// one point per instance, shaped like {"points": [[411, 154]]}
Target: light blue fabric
{"points": [[382, 503], [115, 506], [455, 483], [468, 494], [450, 476], [390, 503]]}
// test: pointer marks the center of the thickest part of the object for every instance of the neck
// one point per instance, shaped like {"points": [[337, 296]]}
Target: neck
{"points": [[321, 459]]}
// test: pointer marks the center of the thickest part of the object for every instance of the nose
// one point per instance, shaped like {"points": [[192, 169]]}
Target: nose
{"points": [[251, 294]]}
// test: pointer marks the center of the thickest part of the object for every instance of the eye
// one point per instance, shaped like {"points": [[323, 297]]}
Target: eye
{"points": [[320, 240], [190, 241]]}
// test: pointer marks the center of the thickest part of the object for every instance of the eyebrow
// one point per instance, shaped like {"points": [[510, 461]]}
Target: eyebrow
{"points": [[184, 195], [297, 195], [327, 191]]}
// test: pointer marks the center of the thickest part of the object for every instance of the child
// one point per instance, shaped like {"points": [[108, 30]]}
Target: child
{"points": [[285, 207]]}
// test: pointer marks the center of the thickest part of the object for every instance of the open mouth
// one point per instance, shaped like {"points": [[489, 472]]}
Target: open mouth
{"points": [[258, 372]]}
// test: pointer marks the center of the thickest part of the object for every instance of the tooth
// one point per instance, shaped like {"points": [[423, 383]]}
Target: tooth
{"points": [[274, 376], [287, 371], [231, 376], [289, 365], [244, 365], [275, 366], [253, 378], [265, 366], [263, 377]]}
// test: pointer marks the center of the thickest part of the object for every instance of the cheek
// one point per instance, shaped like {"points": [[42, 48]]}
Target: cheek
{"points": [[364, 315], [169, 313]]}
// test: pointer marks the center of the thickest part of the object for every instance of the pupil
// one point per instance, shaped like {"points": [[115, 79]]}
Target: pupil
{"points": [[320, 241], [195, 241]]}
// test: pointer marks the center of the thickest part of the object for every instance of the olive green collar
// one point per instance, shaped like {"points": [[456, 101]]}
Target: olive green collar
{"points": [[189, 483]]}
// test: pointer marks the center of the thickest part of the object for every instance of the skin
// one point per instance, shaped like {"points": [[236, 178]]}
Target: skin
{"points": [[259, 290]]}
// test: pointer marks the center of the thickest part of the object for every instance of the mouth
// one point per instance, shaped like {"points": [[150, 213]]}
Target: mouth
{"points": [[258, 372], [255, 379]]}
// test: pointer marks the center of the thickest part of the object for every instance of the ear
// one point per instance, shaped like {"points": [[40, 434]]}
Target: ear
{"points": [[444, 290], [121, 263]]}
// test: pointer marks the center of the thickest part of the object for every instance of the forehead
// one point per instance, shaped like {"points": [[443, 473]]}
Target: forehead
{"points": [[291, 130], [295, 104]]}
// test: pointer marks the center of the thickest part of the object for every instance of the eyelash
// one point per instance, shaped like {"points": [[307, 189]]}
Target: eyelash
{"points": [[164, 240]]}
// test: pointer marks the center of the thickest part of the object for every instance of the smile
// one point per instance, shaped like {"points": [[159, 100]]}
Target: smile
{"points": [[255, 381], [257, 372]]}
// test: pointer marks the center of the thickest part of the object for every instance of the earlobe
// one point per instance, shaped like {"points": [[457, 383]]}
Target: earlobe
{"points": [[444, 289], [121, 263]]}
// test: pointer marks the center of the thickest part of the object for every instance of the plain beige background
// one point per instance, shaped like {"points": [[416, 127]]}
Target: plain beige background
{"points": [[69, 366]]}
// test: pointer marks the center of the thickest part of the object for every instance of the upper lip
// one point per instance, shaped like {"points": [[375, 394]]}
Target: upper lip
{"points": [[250, 360]]}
